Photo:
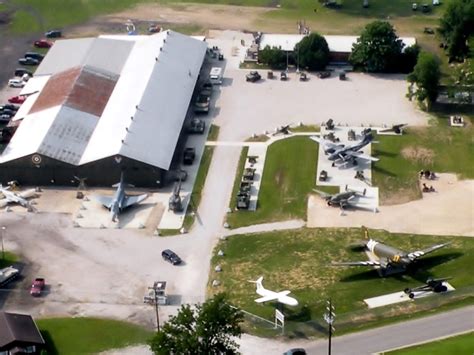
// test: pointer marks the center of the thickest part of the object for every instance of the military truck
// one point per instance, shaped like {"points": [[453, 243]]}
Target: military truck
{"points": [[196, 126], [188, 156]]}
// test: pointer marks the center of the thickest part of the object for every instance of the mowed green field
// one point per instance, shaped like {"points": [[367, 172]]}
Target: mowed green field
{"points": [[438, 148], [89, 335], [10, 258], [459, 345], [288, 177], [300, 261]]}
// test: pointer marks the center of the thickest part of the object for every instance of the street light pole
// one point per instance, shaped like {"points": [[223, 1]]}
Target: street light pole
{"points": [[3, 249], [329, 318]]}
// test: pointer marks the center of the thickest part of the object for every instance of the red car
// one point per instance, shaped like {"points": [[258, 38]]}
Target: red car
{"points": [[42, 43], [37, 287], [17, 99]]}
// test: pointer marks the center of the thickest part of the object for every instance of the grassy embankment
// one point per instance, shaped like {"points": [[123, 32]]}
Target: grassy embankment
{"points": [[300, 261], [459, 345]]}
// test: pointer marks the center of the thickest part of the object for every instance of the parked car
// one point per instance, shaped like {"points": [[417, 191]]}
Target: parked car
{"points": [[53, 34], [188, 156], [22, 71], [7, 112], [17, 99], [5, 118], [43, 43], [196, 126], [303, 76], [28, 61], [324, 74], [16, 83], [171, 257], [253, 76], [9, 107], [37, 287], [154, 29], [39, 57], [296, 351], [202, 103], [283, 76]]}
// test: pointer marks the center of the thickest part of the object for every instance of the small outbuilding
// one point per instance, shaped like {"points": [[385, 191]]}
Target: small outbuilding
{"points": [[19, 334]]}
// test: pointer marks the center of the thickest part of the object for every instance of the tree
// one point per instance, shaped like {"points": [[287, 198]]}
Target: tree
{"points": [[408, 58], [377, 49], [426, 75], [206, 329], [456, 26], [273, 57], [313, 52]]}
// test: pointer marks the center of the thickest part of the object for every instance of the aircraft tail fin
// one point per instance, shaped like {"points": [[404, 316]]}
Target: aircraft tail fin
{"points": [[258, 282]]}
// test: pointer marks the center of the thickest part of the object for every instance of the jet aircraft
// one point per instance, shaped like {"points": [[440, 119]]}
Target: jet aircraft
{"points": [[268, 295], [19, 198], [390, 260], [345, 154], [434, 285], [120, 200]]}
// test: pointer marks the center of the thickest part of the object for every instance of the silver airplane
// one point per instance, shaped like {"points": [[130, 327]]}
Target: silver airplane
{"points": [[19, 198], [341, 199], [345, 154], [120, 200], [390, 260]]}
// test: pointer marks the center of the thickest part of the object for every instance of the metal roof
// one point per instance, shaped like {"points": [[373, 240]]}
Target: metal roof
{"points": [[18, 328], [92, 108], [287, 42]]}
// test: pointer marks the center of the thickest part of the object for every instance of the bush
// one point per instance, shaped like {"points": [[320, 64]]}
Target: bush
{"points": [[274, 57]]}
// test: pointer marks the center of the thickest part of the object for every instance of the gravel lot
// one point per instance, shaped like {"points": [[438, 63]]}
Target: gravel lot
{"points": [[247, 108]]}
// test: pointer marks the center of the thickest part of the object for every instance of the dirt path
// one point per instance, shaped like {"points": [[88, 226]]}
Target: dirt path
{"points": [[448, 211]]}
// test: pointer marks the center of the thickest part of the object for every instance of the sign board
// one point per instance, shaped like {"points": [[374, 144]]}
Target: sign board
{"points": [[279, 317]]}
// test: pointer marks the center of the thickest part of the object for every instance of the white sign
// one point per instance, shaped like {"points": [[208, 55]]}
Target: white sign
{"points": [[279, 317]]}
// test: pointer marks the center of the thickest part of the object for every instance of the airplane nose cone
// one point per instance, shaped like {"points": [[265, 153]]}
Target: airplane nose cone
{"points": [[293, 302]]}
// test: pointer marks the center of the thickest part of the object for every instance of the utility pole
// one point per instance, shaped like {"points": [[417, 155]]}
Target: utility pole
{"points": [[3, 249], [154, 288], [329, 317]]}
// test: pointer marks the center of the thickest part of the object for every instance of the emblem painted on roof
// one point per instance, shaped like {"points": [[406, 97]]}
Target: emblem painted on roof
{"points": [[118, 159]]}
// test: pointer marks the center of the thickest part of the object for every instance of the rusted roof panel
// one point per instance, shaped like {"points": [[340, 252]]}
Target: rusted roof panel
{"points": [[91, 92], [56, 90]]}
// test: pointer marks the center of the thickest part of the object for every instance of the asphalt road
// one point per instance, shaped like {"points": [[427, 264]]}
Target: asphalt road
{"points": [[378, 339]]}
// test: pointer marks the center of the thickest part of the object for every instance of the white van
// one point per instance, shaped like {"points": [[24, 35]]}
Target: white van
{"points": [[216, 76]]}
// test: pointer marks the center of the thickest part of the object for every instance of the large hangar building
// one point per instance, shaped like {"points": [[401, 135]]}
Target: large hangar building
{"points": [[98, 106]]}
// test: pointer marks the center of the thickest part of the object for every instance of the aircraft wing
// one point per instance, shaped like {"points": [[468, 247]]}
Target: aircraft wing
{"points": [[284, 293], [326, 143], [416, 254], [104, 200], [358, 263], [267, 298], [361, 155], [27, 193], [133, 200], [322, 193]]}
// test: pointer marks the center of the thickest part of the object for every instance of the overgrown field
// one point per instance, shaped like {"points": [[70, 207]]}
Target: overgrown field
{"points": [[438, 148], [288, 177], [300, 261], [89, 335]]}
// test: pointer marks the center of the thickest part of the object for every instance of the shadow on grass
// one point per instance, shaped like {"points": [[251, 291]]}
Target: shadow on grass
{"points": [[382, 153], [383, 171], [301, 315], [432, 261], [50, 348]]}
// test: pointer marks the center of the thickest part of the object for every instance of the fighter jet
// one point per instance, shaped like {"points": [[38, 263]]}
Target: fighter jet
{"points": [[396, 128], [285, 130], [120, 200], [389, 259], [19, 198], [341, 199], [268, 295], [433, 285], [345, 154]]}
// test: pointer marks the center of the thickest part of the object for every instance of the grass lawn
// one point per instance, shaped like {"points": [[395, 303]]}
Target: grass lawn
{"points": [[213, 133], [196, 194], [439, 148], [10, 258], [89, 335], [285, 185], [459, 345], [299, 260]]}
